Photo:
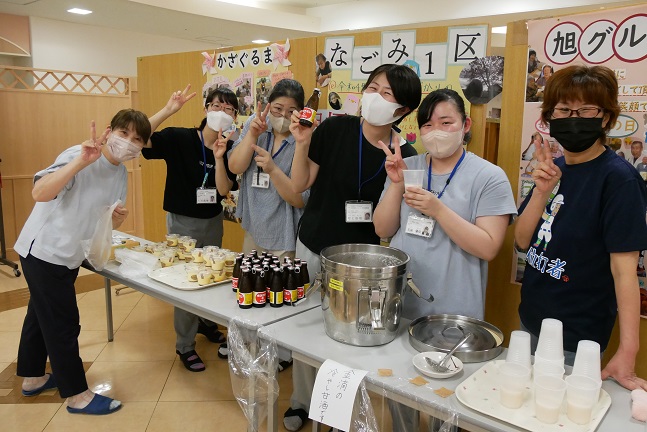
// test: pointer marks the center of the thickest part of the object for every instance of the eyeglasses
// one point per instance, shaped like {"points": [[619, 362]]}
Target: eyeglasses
{"points": [[586, 112], [276, 111], [220, 107]]}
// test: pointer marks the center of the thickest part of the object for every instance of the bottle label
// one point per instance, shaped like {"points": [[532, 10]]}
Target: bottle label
{"points": [[300, 292], [306, 286], [290, 295], [308, 114], [244, 299], [234, 283], [276, 297], [260, 297]]}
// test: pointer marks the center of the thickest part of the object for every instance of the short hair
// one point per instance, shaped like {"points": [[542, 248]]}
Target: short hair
{"points": [[404, 82], [320, 57], [587, 84], [288, 88], [547, 66], [429, 103], [531, 52], [224, 95], [640, 143], [139, 121]]}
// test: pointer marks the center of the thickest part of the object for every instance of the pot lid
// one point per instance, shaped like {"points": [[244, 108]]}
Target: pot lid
{"points": [[444, 331]]}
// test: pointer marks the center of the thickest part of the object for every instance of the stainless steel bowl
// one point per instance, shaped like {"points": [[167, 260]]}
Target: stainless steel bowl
{"points": [[442, 332]]}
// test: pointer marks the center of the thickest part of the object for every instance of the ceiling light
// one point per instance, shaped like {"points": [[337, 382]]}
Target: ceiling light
{"points": [[260, 41], [500, 30], [79, 11]]}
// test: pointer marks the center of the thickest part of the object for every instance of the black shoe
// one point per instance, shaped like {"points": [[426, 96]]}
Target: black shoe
{"points": [[284, 364], [223, 351], [211, 333]]}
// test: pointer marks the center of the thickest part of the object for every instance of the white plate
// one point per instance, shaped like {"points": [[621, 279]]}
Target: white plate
{"points": [[480, 392], [175, 276], [419, 362]]}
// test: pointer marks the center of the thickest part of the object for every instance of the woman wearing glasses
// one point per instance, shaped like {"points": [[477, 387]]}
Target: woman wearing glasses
{"points": [[197, 180], [269, 210], [581, 263]]}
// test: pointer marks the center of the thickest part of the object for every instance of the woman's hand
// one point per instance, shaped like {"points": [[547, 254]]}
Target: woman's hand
{"points": [[546, 174], [393, 163], [259, 124], [178, 99], [301, 134], [263, 159], [91, 149], [220, 146], [422, 200]]}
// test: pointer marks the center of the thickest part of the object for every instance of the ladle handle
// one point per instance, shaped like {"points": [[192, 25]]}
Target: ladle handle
{"points": [[453, 350], [316, 284], [416, 290]]}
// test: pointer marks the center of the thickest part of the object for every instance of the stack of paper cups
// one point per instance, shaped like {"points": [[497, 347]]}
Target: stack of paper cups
{"points": [[550, 347], [519, 348], [587, 360]]}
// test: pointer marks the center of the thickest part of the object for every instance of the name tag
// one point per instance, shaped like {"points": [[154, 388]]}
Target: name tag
{"points": [[206, 196], [359, 211], [261, 180], [420, 225]]}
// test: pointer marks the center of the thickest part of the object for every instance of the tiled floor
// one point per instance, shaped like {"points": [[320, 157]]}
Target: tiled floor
{"points": [[139, 367]]}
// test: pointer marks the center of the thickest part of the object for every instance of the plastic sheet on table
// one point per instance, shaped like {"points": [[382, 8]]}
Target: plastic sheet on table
{"points": [[135, 264], [405, 418], [253, 366], [363, 418]]}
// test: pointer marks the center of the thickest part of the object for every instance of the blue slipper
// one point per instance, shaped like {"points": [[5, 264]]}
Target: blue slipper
{"points": [[50, 384], [99, 405]]}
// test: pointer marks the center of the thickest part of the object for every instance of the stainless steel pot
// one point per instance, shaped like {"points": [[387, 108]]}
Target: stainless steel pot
{"points": [[362, 289], [441, 332]]}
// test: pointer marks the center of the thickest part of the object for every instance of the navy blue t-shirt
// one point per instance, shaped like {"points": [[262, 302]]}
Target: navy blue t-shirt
{"points": [[599, 209]]}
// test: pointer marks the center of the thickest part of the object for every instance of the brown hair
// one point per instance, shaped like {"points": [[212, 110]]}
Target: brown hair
{"points": [[124, 118], [592, 85]]}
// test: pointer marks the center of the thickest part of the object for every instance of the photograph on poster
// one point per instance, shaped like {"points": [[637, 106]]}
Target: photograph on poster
{"points": [[323, 71], [482, 79]]}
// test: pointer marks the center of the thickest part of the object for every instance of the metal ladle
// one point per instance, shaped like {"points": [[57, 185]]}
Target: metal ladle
{"points": [[441, 365]]}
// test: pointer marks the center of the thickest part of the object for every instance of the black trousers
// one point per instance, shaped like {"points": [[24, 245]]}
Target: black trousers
{"points": [[51, 326]]}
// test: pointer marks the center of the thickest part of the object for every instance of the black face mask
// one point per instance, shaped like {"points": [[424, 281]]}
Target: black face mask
{"points": [[576, 134]]}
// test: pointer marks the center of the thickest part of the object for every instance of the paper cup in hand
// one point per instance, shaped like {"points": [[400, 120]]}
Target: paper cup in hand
{"points": [[413, 177]]}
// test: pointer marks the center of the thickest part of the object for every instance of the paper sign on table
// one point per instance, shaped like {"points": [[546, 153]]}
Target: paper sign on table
{"points": [[334, 393]]}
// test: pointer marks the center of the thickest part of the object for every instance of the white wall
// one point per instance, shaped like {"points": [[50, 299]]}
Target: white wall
{"points": [[67, 46]]}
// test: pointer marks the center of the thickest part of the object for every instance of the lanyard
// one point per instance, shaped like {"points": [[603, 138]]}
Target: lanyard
{"points": [[451, 175], [204, 157], [269, 150], [359, 180]]}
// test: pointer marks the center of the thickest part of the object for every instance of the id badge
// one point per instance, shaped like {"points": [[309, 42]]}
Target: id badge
{"points": [[420, 225], [206, 195], [359, 211], [261, 180]]}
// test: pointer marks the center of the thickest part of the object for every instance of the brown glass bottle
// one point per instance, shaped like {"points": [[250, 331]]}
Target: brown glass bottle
{"points": [[290, 291], [299, 278], [305, 275], [308, 114], [260, 292], [276, 289], [236, 275], [245, 288]]}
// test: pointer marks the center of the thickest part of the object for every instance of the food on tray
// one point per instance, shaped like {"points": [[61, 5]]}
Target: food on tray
{"points": [[204, 277], [172, 239], [197, 255]]}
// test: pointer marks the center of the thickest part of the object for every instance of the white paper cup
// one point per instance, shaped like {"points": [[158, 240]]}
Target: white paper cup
{"points": [[544, 368], [413, 177], [582, 394], [519, 348], [551, 343], [549, 395], [514, 380], [587, 360]]}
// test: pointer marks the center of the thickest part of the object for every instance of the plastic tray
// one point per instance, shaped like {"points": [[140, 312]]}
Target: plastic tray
{"points": [[175, 276], [480, 391]]}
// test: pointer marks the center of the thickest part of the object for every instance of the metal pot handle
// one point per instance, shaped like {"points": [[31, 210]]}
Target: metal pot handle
{"points": [[416, 290], [311, 290]]}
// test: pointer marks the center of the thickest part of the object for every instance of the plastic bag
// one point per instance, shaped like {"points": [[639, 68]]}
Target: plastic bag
{"points": [[97, 248], [135, 264]]}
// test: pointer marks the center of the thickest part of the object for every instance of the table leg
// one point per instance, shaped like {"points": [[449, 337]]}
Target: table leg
{"points": [[109, 309]]}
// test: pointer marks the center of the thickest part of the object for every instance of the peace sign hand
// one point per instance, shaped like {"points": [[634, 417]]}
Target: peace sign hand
{"points": [[259, 125], [393, 163], [178, 99], [263, 159], [220, 146], [546, 174], [91, 149]]}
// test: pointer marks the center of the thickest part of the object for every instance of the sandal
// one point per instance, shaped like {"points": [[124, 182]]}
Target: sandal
{"points": [[191, 361], [294, 419], [283, 365], [223, 351], [211, 332]]}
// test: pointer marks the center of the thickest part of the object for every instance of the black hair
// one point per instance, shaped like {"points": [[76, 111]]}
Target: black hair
{"points": [[429, 103], [288, 88], [404, 83], [531, 52], [223, 95]]}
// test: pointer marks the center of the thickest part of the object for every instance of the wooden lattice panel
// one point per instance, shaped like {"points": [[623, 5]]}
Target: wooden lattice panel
{"points": [[18, 78]]}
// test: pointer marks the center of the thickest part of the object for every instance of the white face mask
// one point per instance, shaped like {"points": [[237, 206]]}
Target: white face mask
{"points": [[280, 124], [441, 144], [217, 120], [378, 111], [122, 149]]}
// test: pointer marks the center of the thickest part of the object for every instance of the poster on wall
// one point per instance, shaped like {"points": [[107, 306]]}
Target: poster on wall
{"points": [[613, 38]]}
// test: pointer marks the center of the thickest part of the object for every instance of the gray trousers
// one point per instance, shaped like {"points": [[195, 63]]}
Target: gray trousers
{"points": [[207, 232]]}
